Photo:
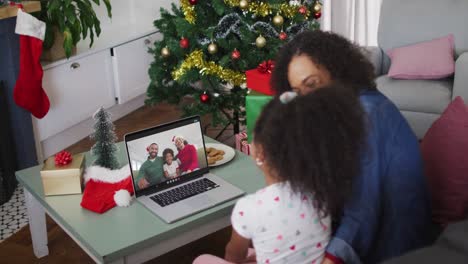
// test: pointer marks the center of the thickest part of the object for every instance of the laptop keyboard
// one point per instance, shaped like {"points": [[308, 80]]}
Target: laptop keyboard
{"points": [[184, 192]]}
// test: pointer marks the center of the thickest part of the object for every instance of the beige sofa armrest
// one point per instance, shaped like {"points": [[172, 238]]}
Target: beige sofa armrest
{"points": [[460, 84]]}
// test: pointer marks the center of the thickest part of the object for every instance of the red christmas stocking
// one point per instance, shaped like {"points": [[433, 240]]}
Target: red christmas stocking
{"points": [[28, 92]]}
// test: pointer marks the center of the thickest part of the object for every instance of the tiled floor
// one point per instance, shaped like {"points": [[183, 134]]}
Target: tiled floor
{"points": [[13, 215]]}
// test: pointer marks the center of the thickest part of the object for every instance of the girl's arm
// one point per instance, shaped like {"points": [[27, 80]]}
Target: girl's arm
{"points": [[166, 174], [177, 171], [237, 248]]}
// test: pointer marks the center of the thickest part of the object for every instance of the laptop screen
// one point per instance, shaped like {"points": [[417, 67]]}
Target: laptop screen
{"points": [[166, 155]]}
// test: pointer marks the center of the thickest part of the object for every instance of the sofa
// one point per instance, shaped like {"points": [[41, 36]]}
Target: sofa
{"points": [[405, 22], [451, 247]]}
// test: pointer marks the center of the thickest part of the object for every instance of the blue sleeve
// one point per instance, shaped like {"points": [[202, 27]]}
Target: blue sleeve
{"points": [[358, 226]]}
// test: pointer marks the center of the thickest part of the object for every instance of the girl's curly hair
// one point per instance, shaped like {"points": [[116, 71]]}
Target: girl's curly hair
{"points": [[314, 143], [167, 151], [344, 61]]}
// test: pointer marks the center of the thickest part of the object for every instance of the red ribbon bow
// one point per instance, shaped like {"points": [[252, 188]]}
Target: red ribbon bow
{"points": [[18, 5], [63, 158], [266, 66]]}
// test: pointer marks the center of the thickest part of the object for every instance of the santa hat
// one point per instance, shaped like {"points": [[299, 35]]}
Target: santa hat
{"points": [[106, 188], [174, 138]]}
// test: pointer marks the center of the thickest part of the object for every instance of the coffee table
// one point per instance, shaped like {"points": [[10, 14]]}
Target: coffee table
{"points": [[132, 234]]}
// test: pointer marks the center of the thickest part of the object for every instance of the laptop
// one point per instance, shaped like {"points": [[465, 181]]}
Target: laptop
{"points": [[170, 171]]}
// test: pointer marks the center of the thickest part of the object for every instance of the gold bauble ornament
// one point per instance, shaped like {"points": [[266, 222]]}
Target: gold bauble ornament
{"points": [[165, 52], [317, 7], [260, 42], [244, 4], [278, 20], [212, 48]]}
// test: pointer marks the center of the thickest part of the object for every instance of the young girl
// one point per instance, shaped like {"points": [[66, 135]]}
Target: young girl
{"points": [[308, 171], [171, 166]]}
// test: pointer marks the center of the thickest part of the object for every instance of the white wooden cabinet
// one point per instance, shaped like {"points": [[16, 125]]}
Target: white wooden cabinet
{"points": [[131, 62], [76, 89], [115, 67]]}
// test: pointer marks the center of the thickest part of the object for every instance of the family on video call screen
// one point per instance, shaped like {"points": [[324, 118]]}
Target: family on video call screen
{"points": [[165, 156]]}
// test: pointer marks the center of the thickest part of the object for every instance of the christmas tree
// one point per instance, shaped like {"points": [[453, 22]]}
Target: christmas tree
{"points": [[208, 45], [104, 149]]}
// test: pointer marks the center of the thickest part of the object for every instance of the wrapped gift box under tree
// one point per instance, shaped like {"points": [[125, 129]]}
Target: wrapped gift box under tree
{"points": [[242, 144], [254, 103], [259, 79]]}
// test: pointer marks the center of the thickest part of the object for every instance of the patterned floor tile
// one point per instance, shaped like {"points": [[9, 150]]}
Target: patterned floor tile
{"points": [[13, 214]]}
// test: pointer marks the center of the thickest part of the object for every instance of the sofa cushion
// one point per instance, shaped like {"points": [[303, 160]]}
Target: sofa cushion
{"points": [[428, 96], [417, 22], [444, 150], [426, 60]]}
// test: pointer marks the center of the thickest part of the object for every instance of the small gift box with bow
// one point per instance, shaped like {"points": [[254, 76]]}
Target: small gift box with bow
{"points": [[259, 79], [242, 144], [254, 103], [63, 174]]}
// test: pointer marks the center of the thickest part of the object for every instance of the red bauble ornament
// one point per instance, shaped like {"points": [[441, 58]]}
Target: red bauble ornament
{"points": [[283, 35], [204, 98], [302, 10], [235, 55], [63, 158], [317, 15], [193, 2], [184, 43]]}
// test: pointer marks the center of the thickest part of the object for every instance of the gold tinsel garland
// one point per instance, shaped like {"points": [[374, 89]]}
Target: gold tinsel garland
{"points": [[195, 60], [189, 11], [264, 9]]}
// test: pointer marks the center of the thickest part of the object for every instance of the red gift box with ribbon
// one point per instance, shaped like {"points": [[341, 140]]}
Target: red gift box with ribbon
{"points": [[259, 79]]}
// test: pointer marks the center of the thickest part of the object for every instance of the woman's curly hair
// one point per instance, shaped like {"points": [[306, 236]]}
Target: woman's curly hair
{"points": [[314, 143], [344, 61]]}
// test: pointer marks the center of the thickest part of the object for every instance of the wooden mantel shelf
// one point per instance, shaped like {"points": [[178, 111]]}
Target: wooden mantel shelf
{"points": [[11, 11]]}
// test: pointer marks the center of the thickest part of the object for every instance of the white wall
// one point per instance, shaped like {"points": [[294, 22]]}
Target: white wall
{"points": [[126, 12]]}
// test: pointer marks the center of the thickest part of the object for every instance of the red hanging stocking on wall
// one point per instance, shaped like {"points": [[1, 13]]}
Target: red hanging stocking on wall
{"points": [[28, 92]]}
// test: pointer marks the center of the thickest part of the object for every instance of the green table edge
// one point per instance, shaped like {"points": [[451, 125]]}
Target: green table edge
{"points": [[224, 209]]}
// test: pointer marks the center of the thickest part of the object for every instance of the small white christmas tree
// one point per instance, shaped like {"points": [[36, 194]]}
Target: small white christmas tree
{"points": [[104, 149]]}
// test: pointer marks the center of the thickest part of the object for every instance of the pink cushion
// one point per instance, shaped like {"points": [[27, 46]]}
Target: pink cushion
{"points": [[426, 60], [445, 154]]}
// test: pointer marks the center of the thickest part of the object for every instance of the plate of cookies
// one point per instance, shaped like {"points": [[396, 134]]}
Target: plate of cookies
{"points": [[218, 154]]}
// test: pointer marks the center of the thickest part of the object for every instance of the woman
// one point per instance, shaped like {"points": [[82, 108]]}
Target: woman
{"points": [[388, 212], [187, 155]]}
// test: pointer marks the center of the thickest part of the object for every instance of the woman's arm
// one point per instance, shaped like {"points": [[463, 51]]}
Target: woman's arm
{"points": [[359, 225], [237, 248], [193, 158]]}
